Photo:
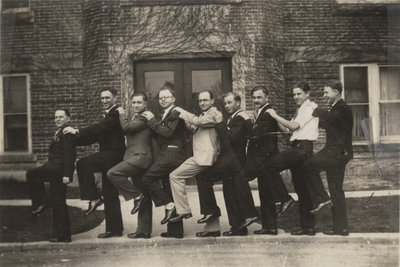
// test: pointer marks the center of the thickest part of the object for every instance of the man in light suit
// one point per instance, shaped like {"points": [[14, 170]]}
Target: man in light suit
{"points": [[205, 151], [138, 157], [228, 168], [338, 122], [170, 136], [109, 135]]}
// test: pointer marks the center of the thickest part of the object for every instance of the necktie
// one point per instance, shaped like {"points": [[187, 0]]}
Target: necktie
{"points": [[256, 114], [330, 107], [56, 138]]}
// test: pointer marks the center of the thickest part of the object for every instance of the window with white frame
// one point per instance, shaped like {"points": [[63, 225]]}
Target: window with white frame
{"points": [[373, 92], [15, 114]]}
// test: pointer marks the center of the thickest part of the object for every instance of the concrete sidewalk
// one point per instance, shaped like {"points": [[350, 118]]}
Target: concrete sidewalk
{"points": [[89, 240]]}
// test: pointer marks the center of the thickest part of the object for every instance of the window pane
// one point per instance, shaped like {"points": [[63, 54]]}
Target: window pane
{"points": [[7, 4], [389, 119], [15, 133], [356, 84], [359, 113], [206, 80], [14, 94], [389, 83], [154, 80]]}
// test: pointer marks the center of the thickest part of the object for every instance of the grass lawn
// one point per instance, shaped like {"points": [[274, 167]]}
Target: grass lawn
{"points": [[365, 215]]}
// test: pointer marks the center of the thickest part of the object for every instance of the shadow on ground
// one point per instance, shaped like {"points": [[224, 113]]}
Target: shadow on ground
{"points": [[18, 224]]}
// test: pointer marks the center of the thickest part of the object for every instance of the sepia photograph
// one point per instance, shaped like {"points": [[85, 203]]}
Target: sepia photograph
{"points": [[199, 133]]}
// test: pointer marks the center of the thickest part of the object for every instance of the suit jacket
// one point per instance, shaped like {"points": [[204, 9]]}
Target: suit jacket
{"points": [[338, 123], [138, 135], [62, 152], [238, 131], [170, 137], [263, 142], [107, 133], [205, 139]]}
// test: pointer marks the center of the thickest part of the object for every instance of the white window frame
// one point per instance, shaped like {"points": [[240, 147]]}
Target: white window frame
{"points": [[28, 107], [373, 100]]}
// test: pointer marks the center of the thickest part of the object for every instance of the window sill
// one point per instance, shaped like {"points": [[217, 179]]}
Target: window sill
{"points": [[19, 16], [18, 157]]}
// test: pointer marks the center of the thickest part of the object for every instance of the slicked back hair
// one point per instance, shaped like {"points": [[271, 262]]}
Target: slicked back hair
{"points": [[142, 94], [209, 92], [236, 96], [258, 88], [303, 86]]}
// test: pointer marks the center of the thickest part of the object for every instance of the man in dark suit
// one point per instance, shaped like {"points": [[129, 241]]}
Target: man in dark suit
{"points": [[304, 127], [228, 168], [170, 137], [138, 157], [109, 135], [338, 123], [263, 144], [58, 170]]}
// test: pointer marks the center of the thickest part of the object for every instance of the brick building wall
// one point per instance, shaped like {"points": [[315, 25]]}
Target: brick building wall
{"points": [[46, 44], [74, 49]]}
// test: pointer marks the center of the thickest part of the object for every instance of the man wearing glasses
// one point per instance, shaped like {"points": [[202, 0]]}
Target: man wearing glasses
{"points": [[170, 136], [205, 150]]}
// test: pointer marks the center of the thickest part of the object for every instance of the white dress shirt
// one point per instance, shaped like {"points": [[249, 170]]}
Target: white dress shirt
{"points": [[308, 124]]}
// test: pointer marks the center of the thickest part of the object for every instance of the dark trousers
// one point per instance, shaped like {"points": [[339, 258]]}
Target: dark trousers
{"points": [[101, 162], [254, 167], [118, 176], [237, 193], [53, 173], [334, 164], [293, 159], [271, 189]]}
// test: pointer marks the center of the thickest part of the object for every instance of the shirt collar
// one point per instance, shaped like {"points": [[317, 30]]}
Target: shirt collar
{"points": [[334, 103], [108, 110], [305, 103], [235, 113], [166, 111]]}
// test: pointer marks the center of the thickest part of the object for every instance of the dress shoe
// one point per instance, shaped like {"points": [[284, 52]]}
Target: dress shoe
{"points": [[343, 232], [180, 217], [208, 234], [302, 231], [236, 232], [59, 240], [285, 206], [208, 217], [110, 234], [139, 235], [320, 206], [168, 215], [138, 203], [39, 209], [266, 232], [92, 208], [166, 234], [249, 221]]}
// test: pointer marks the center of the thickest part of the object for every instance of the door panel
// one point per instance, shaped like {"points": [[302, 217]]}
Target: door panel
{"points": [[189, 76]]}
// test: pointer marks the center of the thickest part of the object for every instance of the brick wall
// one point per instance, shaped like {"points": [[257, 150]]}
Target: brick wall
{"points": [[73, 49], [46, 43]]}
